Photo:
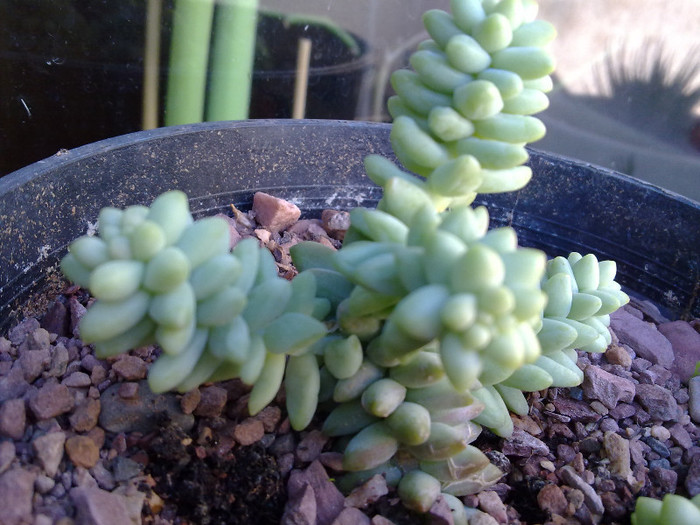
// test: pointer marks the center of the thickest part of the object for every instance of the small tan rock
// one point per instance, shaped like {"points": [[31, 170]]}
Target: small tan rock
{"points": [[551, 499], [249, 431], [274, 213], [82, 451]]}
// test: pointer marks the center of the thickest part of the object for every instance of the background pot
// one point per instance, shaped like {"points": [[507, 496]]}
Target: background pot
{"points": [[653, 235], [72, 73]]}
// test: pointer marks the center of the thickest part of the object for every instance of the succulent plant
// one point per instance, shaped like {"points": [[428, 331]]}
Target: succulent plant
{"points": [[426, 325], [671, 509]]}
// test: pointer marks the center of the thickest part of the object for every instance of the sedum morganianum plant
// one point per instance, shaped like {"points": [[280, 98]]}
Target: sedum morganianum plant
{"points": [[426, 325]]}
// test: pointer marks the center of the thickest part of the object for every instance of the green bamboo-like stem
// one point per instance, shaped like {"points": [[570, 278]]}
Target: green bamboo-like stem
{"points": [[233, 51], [189, 52]]}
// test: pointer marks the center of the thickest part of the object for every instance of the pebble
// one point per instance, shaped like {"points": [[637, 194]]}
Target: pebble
{"points": [[13, 418], [16, 492], [592, 498], [661, 433], [77, 380], [33, 363], [249, 431], [105, 479], [85, 416], [550, 498], [126, 415], [190, 400], [274, 213], [681, 436], [128, 390], [270, 417], [7, 455], [666, 478], [99, 507], [618, 355], [481, 518], [44, 484], [51, 400], [381, 520], [491, 504], [694, 399], [351, 516], [608, 388], [329, 500], [657, 401], [49, 451], [13, 385], [367, 493], [520, 443], [692, 479], [439, 513], [59, 361], [576, 410], [311, 445], [617, 450], [647, 341], [130, 368], [212, 401], [685, 342], [82, 451], [300, 508], [125, 469]]}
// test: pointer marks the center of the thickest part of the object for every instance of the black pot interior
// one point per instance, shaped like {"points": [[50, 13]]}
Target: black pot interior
{"points": [[653, 235]]}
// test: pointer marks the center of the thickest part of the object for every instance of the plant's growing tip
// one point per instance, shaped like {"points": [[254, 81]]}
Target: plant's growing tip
{"points": [[426, 325]]}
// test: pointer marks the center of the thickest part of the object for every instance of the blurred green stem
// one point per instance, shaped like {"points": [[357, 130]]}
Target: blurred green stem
{"points": [[233, 51], [189, 52]]}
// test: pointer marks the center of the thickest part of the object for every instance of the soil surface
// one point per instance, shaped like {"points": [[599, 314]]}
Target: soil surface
{"points": [[83, 440]]}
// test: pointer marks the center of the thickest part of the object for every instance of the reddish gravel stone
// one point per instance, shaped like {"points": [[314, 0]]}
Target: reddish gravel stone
{"points": [[85, 416], [130, 368], [82, 451], [551, 499], [49, 451], [13, 418], [658, 402], [367, 493], [647, 341], [16, 492], [190, 400], [608, 388], [51, 400], [249, 431], [685, 342], [212, 401], [273, 213], [351, 516]]}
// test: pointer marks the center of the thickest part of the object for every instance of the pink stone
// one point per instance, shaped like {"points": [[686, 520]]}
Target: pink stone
{"points": [[647, 341], [608, 388], [686, 347], [273, 213]]}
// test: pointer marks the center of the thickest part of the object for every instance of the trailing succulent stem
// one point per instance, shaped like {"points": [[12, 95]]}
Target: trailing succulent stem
{"points": [[671, 509], [426, 325]]}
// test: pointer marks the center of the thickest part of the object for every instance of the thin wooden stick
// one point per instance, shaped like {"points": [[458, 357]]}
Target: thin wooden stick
{"points": [[301, 81], [151, 65]]}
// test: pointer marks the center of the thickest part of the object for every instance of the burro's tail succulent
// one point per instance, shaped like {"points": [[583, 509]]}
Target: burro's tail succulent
{"points": [[671, 509], [426, 325], [160, 277]]}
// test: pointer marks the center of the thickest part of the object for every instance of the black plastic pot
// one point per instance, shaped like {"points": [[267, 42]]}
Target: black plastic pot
{"points": [[653, 235], [335, 78], [72, 73]]}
